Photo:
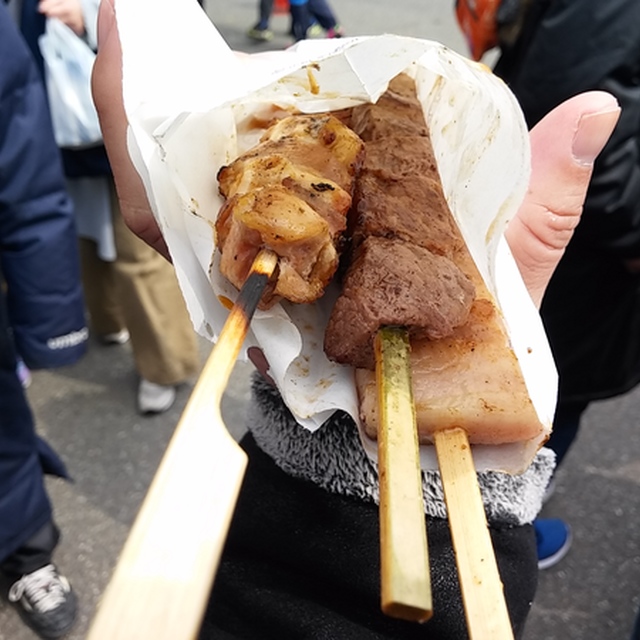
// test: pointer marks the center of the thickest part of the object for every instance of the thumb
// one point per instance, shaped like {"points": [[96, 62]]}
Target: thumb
{"points": [[564, 146]]}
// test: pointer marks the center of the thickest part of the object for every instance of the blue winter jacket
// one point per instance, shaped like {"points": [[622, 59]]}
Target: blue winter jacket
{"points": [[39, 262], [38, 243]]}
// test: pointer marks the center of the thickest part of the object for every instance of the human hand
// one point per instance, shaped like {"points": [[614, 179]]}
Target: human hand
{"points": [[67, 11], [107, 95], [564, 146]]}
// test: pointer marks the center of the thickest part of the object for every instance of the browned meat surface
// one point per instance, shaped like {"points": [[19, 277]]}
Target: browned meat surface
{"points": [[464, 371], [408, 156], [397, 183], [289, 194], [323, 195], [275, 218], [395, 209], [391, 283], [374, 124], [398, 112], [408, 276], [319, 143]]}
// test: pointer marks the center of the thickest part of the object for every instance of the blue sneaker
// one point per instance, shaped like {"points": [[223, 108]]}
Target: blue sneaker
{"points": [[553, 538]]}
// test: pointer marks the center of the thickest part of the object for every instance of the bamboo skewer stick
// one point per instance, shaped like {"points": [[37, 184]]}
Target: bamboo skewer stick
{"points": [[482, 591], [161, 584], [404, 557], [406, 590]]}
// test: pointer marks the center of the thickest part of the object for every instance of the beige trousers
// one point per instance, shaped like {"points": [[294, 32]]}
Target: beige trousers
{"points": [[139, 291]]}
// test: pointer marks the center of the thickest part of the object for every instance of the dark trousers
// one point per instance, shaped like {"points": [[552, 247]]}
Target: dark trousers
{"points": [[34, 554], [300, 21], [635, 634], [321, 11], [266, 7], [566, 423], [301, 17]]}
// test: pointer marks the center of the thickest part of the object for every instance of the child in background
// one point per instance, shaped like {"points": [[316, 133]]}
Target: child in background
{"points": [[309, 18]]}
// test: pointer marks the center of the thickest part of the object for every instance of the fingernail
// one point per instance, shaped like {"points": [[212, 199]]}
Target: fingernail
{"points": [[106, 20], [594, 129]]}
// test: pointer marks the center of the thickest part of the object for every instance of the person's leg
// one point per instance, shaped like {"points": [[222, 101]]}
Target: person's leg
{"points": [[162, 336], [24, 504], [566, 423], [266, 9], [300, 18], [34, 553], [44, 597], [635, 634], [553, 535], [322, 13], [100, 291], [260, 31]]}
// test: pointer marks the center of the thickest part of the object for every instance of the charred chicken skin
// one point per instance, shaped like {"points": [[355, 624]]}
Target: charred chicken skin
{"points": [[289, 194]]}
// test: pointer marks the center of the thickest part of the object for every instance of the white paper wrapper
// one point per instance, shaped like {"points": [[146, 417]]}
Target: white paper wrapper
{"points": [[189, 98]]}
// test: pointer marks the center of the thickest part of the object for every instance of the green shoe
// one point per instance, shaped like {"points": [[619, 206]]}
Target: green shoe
{"points": [[315, 31], [260, 35]]}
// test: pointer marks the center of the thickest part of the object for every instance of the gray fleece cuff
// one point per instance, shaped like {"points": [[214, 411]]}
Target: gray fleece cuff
{"points": [[333, 458]]}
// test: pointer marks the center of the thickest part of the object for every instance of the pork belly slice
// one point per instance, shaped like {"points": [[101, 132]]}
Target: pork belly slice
{"points": [[470, 379], [276, 219], [394, 283]]}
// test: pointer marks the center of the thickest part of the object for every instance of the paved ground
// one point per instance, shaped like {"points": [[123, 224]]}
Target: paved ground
{"points": [[87, 412]]}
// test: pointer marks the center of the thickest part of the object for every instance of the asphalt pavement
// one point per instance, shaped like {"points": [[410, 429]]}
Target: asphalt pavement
{"points": [[87, 411]]}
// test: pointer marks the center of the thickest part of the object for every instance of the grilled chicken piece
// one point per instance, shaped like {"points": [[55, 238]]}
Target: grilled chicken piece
{"points": [[290, 194], [275, 218], [319, 143], [321, 194]]}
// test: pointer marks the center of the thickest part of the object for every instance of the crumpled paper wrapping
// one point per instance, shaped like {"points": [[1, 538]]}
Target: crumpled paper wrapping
{"points": [[190, 99]]}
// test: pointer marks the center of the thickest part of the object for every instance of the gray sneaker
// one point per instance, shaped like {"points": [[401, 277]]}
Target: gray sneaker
{"points": [[46, 602]]}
